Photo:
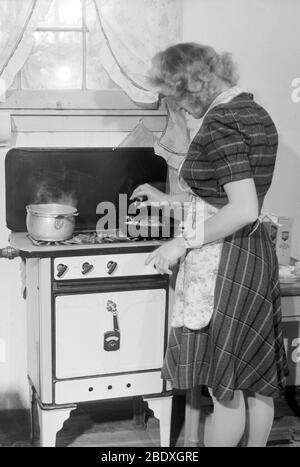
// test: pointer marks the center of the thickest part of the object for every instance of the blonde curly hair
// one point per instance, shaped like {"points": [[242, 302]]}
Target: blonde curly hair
{"points": [[191, 71]]}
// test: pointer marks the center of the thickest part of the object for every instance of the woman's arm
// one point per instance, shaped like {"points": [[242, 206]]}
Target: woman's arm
{"points": [[242, 209], [156, 196]]}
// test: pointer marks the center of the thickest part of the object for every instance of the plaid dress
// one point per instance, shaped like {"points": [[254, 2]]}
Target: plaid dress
{"points": [[242, 347]]}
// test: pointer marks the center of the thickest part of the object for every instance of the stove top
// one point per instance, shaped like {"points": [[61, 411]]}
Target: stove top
{"points": [[88, 237], [81, 243], [145, 229]]}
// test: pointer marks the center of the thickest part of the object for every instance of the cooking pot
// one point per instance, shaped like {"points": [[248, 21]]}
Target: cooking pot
{"points": [[151, 227], [50, 222]]}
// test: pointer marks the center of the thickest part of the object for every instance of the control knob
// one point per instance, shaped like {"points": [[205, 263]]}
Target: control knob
{"points": [[111, 266], [61, 269], [86, 268]]}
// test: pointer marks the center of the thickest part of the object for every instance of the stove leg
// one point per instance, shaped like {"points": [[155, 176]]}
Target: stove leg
{"points": [[162, 408], [51, 421], [45, 423], [139, 412]]}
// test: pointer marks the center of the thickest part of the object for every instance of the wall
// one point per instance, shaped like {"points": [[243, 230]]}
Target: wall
{"points": [[264, 38], [13, 392], [41, 128]]}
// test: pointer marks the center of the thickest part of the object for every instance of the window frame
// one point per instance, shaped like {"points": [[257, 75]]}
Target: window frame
{"points": [[83, 29], [68, 100]]}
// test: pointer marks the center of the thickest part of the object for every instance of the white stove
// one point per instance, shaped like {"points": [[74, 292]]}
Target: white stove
{"points": [[96, 325]]}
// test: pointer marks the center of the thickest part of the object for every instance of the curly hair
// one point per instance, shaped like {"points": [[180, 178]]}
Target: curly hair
{"points": [[190, 70]]}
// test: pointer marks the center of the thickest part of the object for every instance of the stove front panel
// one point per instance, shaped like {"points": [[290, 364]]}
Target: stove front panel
{"points": [[91, 267], [108, 387]]}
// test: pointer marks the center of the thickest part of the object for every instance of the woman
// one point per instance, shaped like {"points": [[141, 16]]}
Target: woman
{"points": [[239, 356]]}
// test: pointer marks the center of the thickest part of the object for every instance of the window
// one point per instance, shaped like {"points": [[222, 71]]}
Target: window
{"points": [[83, 54], [64, 69], [66, 52]]}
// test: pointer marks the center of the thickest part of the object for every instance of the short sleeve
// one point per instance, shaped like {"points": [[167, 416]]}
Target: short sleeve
{"points": [[227, 149]]}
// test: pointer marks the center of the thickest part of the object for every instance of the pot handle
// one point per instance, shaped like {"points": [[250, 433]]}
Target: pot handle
{"points": [[58, 223], [59, 219]]}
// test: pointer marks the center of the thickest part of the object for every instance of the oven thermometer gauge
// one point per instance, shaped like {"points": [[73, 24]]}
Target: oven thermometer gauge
{"points": [[112, 338]]}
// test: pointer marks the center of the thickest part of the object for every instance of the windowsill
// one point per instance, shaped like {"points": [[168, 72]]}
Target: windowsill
{"points": [[84, 112], [111, 102], [78, 116]]}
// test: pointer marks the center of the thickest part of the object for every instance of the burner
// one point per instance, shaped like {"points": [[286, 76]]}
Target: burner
{"points": [[88, 237]]}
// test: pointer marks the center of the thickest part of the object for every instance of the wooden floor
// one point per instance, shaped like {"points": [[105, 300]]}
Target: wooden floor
{"points": [[111, 424]]}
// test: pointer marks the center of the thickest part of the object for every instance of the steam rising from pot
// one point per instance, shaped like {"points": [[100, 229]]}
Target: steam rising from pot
{"points": [[46, 194]]}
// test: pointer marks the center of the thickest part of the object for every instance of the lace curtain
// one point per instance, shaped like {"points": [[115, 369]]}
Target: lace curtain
{"points": [[18, 22], [123, 35], [133, 31]]}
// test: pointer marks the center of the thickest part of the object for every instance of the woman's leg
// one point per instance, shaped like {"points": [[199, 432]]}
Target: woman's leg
{"points": [[226, 426], [260, 416]]}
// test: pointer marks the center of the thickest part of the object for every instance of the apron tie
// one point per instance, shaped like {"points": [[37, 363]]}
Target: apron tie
{"points": [[264, 216]]}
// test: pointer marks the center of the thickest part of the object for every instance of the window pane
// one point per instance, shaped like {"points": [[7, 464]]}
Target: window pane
{"points": [[63, 13], [55, 62]]}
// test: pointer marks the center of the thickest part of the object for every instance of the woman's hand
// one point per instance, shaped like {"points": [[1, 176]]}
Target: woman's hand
{"points": [[153, 195], [167, 255]]}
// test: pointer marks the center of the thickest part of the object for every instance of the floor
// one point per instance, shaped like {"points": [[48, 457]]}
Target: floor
{"points": [[111, 424]]}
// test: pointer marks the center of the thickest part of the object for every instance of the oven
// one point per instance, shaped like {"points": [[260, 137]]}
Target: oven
{"points": [[108, 332], [97, 315]]}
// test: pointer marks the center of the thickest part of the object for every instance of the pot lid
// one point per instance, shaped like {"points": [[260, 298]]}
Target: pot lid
{"points": [[79, 177], [51, 209]]}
